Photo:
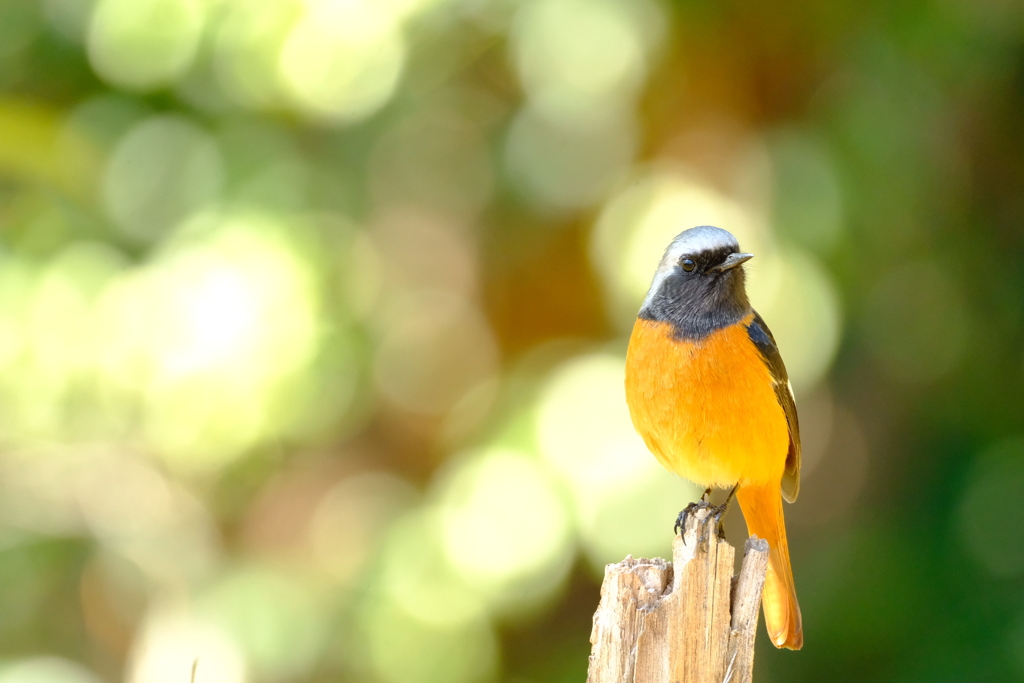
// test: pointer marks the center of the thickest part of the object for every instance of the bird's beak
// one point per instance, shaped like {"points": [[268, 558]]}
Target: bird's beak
{"points": [[732, 261]]}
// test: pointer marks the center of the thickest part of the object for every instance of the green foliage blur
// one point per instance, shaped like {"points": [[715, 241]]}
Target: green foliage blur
{"points": [[313, 316]]}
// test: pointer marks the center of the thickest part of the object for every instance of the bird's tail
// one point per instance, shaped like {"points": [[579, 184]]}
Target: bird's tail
{"points": [[762, 510]]}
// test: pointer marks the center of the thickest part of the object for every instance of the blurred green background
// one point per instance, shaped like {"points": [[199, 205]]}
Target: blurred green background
{"points": [[313, 317]]}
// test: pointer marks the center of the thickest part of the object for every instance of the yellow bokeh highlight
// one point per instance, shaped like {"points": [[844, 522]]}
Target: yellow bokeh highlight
{"points": [[45, 670], [582, 64], [398, 647], [504, 526], [417, 575], [332, 60], [623, 500], [172, 638], [144, 44], [51, 340], [247, 44], [211, 334], [277, 618], [563, 164], [342, 58], [578, 56], [796, 297], [37, 145]]}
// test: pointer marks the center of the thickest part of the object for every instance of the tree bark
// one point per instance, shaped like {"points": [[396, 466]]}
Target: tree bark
{"points": [[685, 621]]}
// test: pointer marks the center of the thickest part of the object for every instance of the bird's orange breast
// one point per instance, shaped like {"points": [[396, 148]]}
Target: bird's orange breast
{"points": [[707, 409]]}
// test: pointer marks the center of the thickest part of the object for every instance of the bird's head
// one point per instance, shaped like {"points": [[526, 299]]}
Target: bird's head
{"points": [[699, 285]]}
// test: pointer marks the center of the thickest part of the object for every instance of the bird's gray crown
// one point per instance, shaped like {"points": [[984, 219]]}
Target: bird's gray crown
{"points": [[697, 240]]}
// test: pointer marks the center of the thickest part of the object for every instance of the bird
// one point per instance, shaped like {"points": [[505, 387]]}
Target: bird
{"points": [[710, 396]]}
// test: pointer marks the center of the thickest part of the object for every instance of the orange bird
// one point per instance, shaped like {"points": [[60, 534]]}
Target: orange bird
{"points": [[709, 394]]}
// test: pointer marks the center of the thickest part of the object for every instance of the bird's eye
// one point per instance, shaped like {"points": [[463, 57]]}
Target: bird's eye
{"points": [[687, 264]]}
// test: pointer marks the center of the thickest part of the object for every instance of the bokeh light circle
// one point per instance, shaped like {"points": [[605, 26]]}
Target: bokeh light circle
{"points": [[171, 638], [143, 44], [566, 165], [45, 670], [212, 334], [991, 513], [623, 500], [162, 171], [575, 56], [503, 524], [342, 60]]}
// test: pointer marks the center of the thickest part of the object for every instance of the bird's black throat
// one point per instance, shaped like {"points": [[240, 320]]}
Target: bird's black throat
{"points": [[696, 304]]}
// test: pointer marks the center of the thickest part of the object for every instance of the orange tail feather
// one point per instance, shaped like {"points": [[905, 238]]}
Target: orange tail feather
{"points": [[762, 510]]}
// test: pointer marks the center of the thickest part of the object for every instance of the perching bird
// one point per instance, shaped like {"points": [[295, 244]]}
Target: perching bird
{"points": [[709, 394]]}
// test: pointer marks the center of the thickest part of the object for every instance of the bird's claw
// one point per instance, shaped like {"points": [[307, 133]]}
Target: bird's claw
{"points": [[702, 504], [717, 511]]}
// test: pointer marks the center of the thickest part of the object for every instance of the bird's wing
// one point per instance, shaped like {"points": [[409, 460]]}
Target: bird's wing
{"points": [[764, 341]]}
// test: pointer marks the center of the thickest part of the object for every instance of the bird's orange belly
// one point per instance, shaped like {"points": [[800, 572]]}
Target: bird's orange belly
{"points": [[706, 409]]}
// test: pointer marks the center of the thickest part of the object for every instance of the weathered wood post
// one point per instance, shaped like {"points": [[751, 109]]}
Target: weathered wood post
{"points": [[685, 621]]}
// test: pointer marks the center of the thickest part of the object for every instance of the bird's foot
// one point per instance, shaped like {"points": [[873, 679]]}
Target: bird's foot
{"points": [[701, 504], [717, 512], [683, 514]]}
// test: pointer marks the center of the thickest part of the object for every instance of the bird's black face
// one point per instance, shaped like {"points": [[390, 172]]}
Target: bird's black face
{"points": [[700, 292], [721, 264]]}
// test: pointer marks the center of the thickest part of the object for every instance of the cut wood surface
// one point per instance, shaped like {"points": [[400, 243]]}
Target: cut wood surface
{"points": [[685, 621]]}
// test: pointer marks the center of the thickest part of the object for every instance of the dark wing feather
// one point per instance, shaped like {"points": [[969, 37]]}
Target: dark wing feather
{"points": [[762, 337]]}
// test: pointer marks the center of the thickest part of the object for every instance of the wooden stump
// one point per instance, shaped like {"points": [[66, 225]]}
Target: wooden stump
{"points": [[685, 621]]}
